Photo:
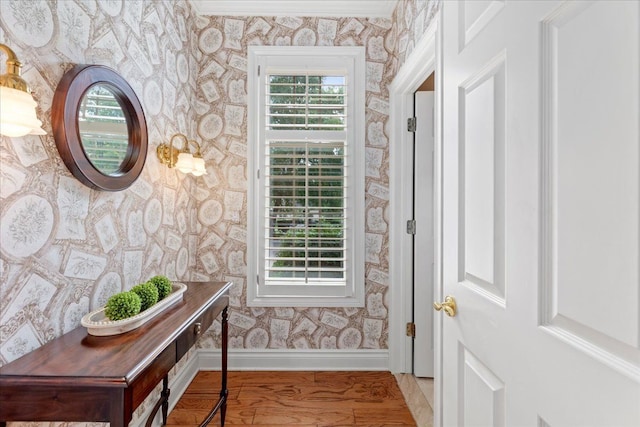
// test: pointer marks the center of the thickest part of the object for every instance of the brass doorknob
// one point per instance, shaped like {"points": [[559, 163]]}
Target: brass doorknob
{"points": [[449, 306]]}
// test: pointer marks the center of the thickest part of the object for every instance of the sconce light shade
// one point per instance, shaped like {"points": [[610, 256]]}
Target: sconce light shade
{"points": [[199, 167], [17, 107], [185, 162], [18, 117]]}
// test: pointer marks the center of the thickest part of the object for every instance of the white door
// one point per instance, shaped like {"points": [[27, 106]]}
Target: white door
{"points": [[423, 239], [540, 219]]}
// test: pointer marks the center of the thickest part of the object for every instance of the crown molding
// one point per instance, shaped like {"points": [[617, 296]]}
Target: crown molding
{"points": [[328, 8]]}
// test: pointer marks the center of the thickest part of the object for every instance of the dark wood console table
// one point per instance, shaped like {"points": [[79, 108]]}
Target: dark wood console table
{"points": [[80, 377]]}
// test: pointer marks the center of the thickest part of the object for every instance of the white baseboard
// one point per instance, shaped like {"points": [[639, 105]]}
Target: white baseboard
{"points": [[297, 360]]}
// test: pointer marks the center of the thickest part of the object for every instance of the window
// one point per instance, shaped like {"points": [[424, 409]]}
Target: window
{"points": [[306, 192]]}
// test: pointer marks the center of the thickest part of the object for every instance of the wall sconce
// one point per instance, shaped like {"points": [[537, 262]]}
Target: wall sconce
{"points": [[182, 159], [17, 106]]}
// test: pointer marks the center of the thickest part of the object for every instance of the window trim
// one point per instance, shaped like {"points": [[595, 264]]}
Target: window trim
{"points": [[293, 296]]}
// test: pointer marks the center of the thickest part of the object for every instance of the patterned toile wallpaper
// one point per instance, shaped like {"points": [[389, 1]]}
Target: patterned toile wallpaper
{"points": [[64, 248], [222, 114]]}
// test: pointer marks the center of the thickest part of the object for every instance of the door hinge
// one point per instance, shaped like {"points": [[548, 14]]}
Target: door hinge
{"points": [[411, 226], [411, 329], [411, 124]]}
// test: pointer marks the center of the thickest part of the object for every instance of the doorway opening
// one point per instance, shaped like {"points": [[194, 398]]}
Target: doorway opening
{"points": [[412, 76], [418, 381]]}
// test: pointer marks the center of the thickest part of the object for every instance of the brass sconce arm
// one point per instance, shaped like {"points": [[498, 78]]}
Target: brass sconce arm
{"points": [[197, 151], [168, 154], [12, 77]]}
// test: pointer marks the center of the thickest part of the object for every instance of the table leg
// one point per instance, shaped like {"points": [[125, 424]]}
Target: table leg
{"points": [[224, 392], [165, 398], [121, 411], [163, 403]]}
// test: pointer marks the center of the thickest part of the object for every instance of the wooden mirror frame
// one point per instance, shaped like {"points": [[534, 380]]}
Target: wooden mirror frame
{"points": [[64, 119]]}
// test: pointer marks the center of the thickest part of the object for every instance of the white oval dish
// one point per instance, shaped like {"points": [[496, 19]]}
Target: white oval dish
{"points": [[99, 325]]}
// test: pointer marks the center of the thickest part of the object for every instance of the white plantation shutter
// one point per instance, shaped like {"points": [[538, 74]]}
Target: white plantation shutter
{"points": [[306, 225], [306, 102], [306, 215]]}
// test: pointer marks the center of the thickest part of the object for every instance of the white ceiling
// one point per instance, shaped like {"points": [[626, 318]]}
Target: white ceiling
{"points": [[335, 8]]}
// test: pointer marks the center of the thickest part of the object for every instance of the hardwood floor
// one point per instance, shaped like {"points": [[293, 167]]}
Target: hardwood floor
{"points": [[301, 399]]}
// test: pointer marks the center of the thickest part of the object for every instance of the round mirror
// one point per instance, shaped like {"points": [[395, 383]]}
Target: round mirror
{"points": [[103, 129], [99, 127]]}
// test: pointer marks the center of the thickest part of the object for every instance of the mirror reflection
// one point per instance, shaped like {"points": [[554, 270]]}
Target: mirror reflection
{"points": [[103, 129]]}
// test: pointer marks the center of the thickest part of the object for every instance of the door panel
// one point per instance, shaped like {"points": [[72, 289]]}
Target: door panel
{"points": [[482, 396], [482, 205], [592, 178], [474, 16], [541, 213]]}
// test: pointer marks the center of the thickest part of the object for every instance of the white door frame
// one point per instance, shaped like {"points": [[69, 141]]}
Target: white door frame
{"points": [[420, 64]]}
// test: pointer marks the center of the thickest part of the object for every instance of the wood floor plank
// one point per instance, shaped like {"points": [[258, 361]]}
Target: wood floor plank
{"points": [[193, 417], [301, 399], [382, 416], [314, 403], [362, 425], [353, 377], [357, 393], [303, 416], [274, 402], [271, 377]]}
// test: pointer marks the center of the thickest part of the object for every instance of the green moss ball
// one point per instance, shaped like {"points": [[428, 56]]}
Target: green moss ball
{"points": [[123, 305], [148, 294], [163, 284]]}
